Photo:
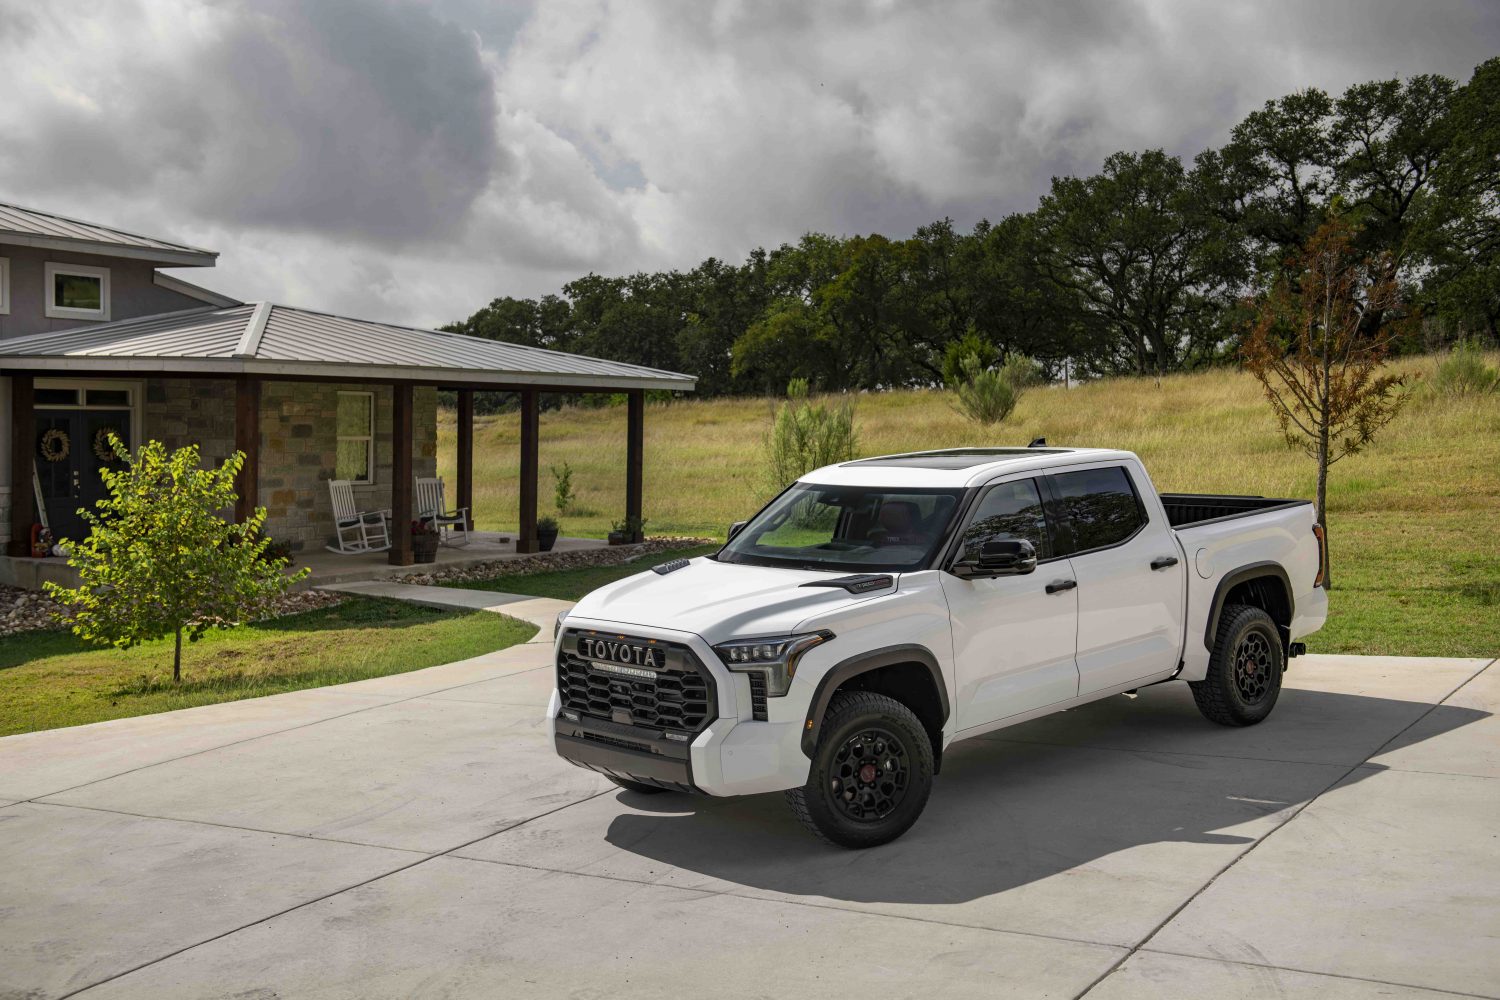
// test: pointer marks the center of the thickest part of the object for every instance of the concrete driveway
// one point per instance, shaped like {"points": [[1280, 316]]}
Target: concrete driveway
{"points": [[413, 836]]}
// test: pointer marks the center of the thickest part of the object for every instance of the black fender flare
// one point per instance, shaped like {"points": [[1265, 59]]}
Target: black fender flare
{"points": [[1244, 574], [863, 663]]}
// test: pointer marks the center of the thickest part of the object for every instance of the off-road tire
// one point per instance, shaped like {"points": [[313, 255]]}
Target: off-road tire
{"points": [[865, 736], [1244, 670], [637, 786]]}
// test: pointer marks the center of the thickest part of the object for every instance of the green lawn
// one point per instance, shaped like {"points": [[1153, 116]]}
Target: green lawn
{"points": [[571, 584], [51, 679]]}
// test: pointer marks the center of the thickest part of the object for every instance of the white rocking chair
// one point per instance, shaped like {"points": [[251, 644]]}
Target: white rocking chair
{"points": [[357, 530], [432, 509]]}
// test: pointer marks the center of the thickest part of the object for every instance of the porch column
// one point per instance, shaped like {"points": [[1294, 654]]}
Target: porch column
{"points": [[22, 464], [401, 482], [530, 426], [466, 453], [635, 460], [247, 441]]}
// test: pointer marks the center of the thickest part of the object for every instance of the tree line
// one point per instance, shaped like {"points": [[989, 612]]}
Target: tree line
{"points": [[1147, 267]]}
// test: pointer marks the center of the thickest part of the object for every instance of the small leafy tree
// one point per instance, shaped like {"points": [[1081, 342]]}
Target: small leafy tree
{"points": [[985, 395], [161, 560], [1322, 371], [562, 487], [806, 435]]}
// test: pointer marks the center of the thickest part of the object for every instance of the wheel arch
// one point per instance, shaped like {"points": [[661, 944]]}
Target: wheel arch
{"points": [[909, 673], [1263, 585]]}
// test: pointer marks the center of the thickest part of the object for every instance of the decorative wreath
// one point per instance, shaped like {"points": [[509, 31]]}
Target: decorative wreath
{"points": [[56, 445], [102, 450]]}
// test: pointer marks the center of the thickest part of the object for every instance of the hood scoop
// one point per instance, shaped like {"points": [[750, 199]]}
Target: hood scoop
{"points": [[670, 566], [859, 583]]}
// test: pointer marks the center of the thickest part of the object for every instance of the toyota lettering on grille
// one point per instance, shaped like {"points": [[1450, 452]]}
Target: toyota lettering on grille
{"points": [[611, 651]]}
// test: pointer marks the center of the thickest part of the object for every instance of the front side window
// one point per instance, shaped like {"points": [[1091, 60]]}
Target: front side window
{"points": [[1101, 507], [77, 292], [1008, 511], [852, 528], [356, 437]]}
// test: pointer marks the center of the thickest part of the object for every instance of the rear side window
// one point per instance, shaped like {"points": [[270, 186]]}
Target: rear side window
{"points": [[1100, 505], [1007, 511]]}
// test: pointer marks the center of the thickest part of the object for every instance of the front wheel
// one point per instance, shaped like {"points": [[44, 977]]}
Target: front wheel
{"points": [[871, 772], [1244, 672]]}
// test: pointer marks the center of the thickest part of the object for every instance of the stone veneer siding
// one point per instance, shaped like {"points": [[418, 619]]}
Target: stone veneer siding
{"points": [[298, 443]]}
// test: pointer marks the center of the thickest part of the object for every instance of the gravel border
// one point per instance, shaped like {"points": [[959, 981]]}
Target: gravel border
{"points": [[32, 611], [546, 562]]}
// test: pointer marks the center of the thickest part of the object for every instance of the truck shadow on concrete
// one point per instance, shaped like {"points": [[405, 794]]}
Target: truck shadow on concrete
{"points": [[1029, 802]]}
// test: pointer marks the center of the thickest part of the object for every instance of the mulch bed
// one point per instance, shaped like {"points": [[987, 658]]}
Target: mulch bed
{"points": [[546, 562]]}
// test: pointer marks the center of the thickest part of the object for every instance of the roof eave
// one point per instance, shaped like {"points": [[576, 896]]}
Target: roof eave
{"points": [[153, 255]]}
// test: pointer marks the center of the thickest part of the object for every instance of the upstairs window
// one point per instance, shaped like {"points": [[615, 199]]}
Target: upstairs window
{"points": [[75, 291], [356, 434]]}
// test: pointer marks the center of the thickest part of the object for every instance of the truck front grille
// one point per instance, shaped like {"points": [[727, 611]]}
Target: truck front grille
{"points": [[679, 697]]}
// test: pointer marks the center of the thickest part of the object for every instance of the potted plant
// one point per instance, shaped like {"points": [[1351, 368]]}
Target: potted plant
{"points": [[617, 533], [546, 533], [635, 529], [424, 542]]}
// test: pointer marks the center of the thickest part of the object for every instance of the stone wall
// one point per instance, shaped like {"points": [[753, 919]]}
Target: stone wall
{"points": [[182, 411], [298, 422]]}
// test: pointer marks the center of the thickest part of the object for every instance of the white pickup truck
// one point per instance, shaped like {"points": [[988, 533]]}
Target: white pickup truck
{"points": [[880, 609]]}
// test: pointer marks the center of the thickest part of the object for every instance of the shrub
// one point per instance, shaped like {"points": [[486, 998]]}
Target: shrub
{"points": [[985, 396], [562, 487], [1021, 371], [971, 344], [1464, 372], [159, 558], [544, 524], [806, 435]]}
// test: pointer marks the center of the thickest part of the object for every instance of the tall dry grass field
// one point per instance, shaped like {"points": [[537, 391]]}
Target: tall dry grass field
{"points": [[1414, 520]]}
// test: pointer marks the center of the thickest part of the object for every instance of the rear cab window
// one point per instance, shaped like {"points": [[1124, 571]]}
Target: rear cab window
{"points": [[1100, 507]]}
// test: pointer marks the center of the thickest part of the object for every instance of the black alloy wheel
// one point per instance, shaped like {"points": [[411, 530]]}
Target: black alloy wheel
{"points": [[1244, 670]]}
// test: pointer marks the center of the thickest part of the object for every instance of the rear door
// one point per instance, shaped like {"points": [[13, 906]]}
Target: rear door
{"points": [[1013, 636], [1131, 578]]}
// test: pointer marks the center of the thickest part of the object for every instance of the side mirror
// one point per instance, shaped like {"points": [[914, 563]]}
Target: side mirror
{"points": [[1002, 557], [735, 529]]}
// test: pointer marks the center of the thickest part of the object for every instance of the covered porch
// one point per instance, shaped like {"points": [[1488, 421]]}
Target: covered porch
{"points": [[266, 380]]}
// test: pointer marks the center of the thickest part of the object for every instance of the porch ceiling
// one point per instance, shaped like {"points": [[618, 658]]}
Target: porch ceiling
{"points": [[279, 341]]}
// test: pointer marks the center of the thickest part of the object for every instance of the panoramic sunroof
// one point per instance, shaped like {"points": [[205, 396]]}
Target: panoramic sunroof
{"points": [[958, 458]]}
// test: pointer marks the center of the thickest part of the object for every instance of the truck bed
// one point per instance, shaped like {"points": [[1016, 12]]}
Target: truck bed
{"points": [[1188, 509]]}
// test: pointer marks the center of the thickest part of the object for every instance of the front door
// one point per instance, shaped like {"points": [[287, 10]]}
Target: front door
{"points": [[69, 443], [1013, 640]]}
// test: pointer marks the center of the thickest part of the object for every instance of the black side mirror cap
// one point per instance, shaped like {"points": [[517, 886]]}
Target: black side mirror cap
{"points": [[735, 529], [1001, 557]]}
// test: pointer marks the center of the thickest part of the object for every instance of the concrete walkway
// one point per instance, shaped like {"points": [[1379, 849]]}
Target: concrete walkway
{"points": [[414, 835], [540, 611]]}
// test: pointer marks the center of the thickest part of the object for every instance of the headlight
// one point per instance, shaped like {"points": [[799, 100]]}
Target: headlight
{"points": [[774, 656], [557, 624]]}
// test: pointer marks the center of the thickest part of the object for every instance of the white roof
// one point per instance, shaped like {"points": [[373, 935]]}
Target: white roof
{"points": [[21, 226], [274, 340], [970, 466]]}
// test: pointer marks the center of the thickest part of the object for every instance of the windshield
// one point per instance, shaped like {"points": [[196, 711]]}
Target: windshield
{"points": [[857, 528]]}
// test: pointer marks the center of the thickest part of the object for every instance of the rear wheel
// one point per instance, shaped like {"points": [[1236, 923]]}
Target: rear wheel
{"points": [[637, 786], [871, 772], [1244, 672]]}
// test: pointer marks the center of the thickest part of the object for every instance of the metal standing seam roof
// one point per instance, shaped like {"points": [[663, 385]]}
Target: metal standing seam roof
{"points": [[271, 340], [30, 226]]}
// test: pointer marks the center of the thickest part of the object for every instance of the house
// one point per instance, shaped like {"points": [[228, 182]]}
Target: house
{"points": [[95, 339]]}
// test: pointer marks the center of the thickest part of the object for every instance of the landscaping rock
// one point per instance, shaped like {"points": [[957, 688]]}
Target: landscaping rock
{"points": [[29, 611], [546, 562]]}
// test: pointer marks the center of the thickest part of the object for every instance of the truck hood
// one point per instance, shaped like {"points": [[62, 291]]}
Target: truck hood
{"points": [[720, 601]]}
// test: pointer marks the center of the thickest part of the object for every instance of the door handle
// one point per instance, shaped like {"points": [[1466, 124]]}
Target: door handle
{"points": [[1058, 586], [1162, 562]]}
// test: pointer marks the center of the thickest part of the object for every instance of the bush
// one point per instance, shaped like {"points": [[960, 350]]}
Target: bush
{"points": [[562, 488], [1021, 371], [807, 436], [970, 345], [985, 396], [1464, 372]]}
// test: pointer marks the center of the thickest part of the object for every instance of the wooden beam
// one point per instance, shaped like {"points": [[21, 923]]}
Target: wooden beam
{"points": [[466, 453], [530, 444], [635, 460], [401, 482], [247, 441], [22, 463]]}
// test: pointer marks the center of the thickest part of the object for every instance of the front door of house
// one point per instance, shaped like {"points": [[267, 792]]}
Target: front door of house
{"points": [[70, 450]]}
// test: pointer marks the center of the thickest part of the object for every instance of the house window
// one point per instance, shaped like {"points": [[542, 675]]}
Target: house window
{"points": [[356, 432], [4, 286], [77, 292]]}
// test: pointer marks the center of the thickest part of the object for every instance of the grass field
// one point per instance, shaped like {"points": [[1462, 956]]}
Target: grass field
{"points": [[1414, 521], [51, 679]]}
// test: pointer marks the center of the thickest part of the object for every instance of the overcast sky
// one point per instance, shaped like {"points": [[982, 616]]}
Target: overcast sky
{"points": [[408, 160]]}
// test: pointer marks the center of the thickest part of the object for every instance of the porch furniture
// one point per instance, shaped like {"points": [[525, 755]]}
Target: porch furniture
{"points": [[432, 508], [358, 531]]}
